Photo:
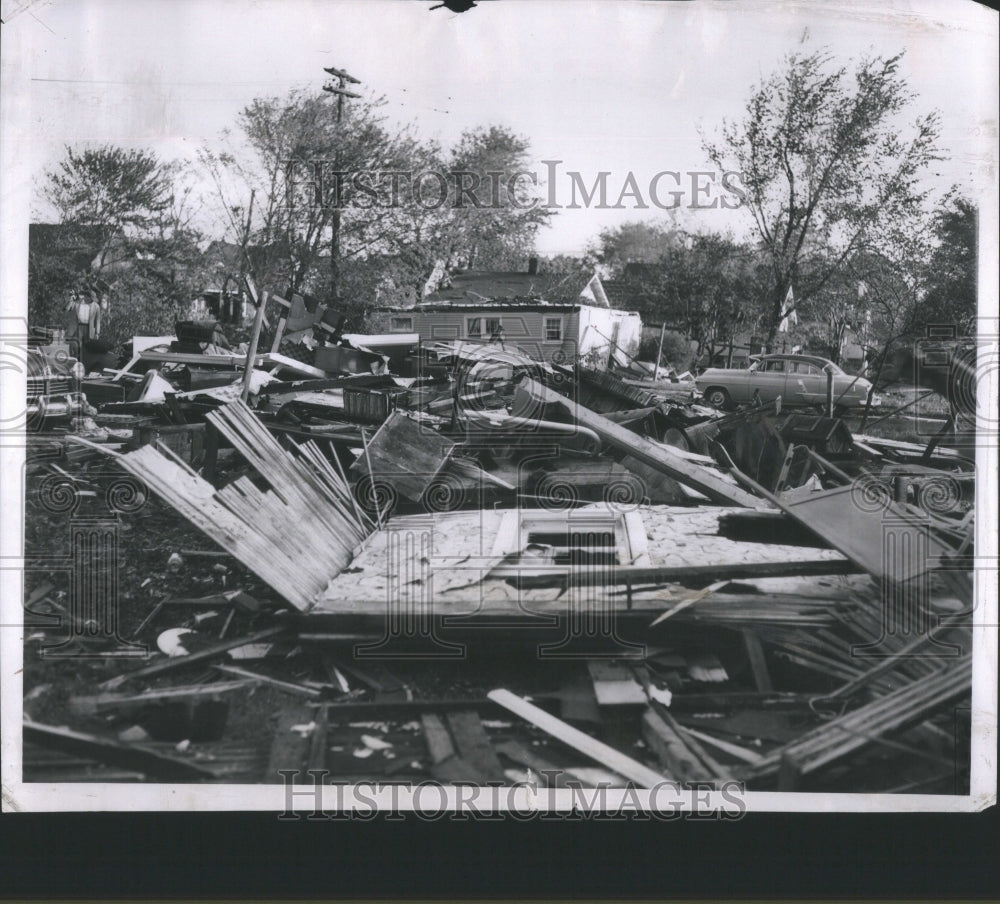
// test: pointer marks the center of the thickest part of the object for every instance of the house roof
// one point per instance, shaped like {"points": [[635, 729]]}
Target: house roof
{"points": [[513, 287], [529, 304]]}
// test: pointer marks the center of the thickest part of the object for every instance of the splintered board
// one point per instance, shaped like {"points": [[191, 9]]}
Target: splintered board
{"points": [[614, 684], [406, 454]]}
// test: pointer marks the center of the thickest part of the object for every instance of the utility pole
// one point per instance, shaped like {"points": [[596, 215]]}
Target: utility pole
{"points": [[341, 91]]}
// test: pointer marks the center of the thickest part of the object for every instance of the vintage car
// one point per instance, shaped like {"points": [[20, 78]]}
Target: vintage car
{"points": [[53, 388], [800, 380]]}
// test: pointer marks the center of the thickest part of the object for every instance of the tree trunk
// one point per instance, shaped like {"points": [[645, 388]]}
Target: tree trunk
{"points": [[774, 319]]}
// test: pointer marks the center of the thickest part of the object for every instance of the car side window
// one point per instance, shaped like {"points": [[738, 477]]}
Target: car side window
{"points": [[775, 366]]}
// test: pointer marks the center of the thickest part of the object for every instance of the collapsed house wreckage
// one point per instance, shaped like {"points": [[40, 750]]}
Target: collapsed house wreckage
{"points": [[758, 595]]}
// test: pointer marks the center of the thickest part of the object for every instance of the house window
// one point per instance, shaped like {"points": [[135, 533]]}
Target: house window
{"points": [[401, 324], [483, 327], [553, 329], [573, 539]]}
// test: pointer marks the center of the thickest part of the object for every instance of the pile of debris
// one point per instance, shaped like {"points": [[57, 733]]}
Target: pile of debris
{"points": [[758, 596]]}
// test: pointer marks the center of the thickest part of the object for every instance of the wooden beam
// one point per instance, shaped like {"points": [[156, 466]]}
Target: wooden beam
{"points": [[547, 576], [88, 705], [258, 322], [758, 662], [598, 751], [656, 455], [289, 747], [474, 745], [552, 775], [104, 750], [179, 662]]}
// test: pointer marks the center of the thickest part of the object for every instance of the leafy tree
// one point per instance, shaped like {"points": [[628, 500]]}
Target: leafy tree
{"points": [[276, 197], [498, 230], [123, 192], [707, 286], [635, 243], [125, 230], [825, 165], [951, 272], [278, 190], [676, 352]]}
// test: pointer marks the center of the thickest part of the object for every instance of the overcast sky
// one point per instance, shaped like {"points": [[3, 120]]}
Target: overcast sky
{"points": [[600, 85]]}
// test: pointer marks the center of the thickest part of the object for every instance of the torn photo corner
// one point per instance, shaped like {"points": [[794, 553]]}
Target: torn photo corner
{"points": [[425, 420]]}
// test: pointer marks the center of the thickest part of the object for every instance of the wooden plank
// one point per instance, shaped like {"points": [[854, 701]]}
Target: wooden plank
{"points": [[446, 764], [601, 753], [551, 775], [614, 684], [455, 769], [734, 750], [674, 752], [438, 740], [406, 455], [758, 662], [299, 690], [104, 750], [577, 701], [856, 527], [87, 705], [233, 361], [290, 364], [317, 743], [290, 748], [179, 662], [656, 455], [660, 488], [248, 366], [474, 745], [557, 576]]}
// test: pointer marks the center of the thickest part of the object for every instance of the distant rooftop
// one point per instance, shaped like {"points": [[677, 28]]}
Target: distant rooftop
{"points": [[514, 287]]}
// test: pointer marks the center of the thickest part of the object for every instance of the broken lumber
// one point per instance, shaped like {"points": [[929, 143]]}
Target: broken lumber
{"points": [[656, 455], [179, 662], [598, 751], [290, 746], [104, 750], [551, 774], [404, 454], [553, 576], [892, 713], [474, 745], [89, 705], [276, 533], [614, 684], [446, 764], [671, 750], [299, 690]]}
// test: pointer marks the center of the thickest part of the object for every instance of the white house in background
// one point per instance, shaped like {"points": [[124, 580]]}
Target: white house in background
{"points": [[515, 307]]}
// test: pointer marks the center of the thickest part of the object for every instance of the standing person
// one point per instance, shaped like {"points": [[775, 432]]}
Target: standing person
{"points": [[83, 318]]}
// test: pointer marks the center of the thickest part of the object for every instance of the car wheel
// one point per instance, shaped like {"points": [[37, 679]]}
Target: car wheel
{"points": [[717, 397]]}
